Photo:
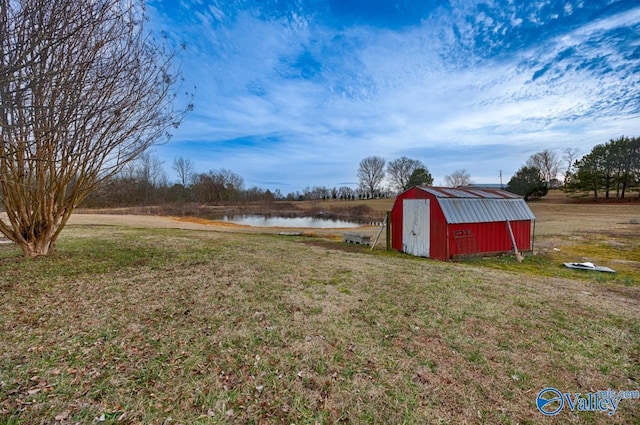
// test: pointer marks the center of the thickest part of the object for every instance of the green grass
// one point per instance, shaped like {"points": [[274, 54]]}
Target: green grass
{"points": [[126, 325], [550, 264]]}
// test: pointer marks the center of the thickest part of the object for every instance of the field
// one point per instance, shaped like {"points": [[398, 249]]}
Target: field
{"points": [[154, 320]]}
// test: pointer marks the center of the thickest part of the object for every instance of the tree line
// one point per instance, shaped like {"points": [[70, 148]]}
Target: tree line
{"points": [[145, 182], [610, 169], [402, 173]]}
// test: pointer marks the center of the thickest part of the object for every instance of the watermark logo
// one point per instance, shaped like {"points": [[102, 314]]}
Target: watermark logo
{"points": [[551, 401]]}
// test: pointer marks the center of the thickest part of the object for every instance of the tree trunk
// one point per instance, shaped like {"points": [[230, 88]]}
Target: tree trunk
{"points": [[37, 234], [36, 239], [41, 246]]}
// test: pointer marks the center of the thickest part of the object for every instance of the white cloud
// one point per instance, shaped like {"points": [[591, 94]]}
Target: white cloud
{"points": [[383, 92], [568, 9]]}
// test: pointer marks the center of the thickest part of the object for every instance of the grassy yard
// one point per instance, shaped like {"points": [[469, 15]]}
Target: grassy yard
{"points": [[160, 326]]}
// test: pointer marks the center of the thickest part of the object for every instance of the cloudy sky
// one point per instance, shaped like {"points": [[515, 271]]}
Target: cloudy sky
{"points": [[294, 93]]}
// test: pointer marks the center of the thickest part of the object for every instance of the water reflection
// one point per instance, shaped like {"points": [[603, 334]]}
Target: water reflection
{"points": [[276, 221]]}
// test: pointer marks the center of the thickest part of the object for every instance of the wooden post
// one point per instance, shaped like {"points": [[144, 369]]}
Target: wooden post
{"points": [[533, 235], [513, 242], [388, 230], [379, 233]]}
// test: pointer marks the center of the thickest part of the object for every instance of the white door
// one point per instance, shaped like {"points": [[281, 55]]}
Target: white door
{"points": [[415, 227]]}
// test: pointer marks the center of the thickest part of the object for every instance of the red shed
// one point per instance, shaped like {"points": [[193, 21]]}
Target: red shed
{"points": [[443, 223]]}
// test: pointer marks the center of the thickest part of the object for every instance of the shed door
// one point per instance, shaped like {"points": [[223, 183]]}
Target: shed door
{"points": [[415, 227]]}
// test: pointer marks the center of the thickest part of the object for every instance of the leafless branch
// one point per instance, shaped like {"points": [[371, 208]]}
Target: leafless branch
{"points": [[84, 90]]}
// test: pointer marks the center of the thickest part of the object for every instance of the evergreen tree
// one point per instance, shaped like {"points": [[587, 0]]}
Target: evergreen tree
{"points": [[528, 182], [420, 177]]}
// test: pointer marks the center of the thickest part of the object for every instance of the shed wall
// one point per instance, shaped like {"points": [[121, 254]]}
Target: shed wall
{"points": [[449, 240], [469, 238], [438, 226], [438, 232]]}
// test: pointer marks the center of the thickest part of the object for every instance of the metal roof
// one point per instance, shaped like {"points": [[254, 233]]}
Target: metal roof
{"points": [[469, 192], [471, 205]]}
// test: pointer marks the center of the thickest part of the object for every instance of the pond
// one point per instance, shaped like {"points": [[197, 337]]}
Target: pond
{"points": [[276, 221]]}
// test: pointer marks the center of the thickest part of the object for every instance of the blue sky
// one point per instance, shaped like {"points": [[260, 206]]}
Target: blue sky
{"points": [[294, 93]]}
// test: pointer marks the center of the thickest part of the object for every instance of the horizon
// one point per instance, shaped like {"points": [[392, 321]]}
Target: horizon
{"points": [[294, 94]]}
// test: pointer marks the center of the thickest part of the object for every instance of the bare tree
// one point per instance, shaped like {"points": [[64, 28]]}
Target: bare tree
{"points": [[150, 175], [547, 162], [346, 193], [139, 182], [232, 181], [400, 170], [570, 155], [184, 168], [84, 90], [458, 178], [216, 186], [150, 170], [371, 174]]}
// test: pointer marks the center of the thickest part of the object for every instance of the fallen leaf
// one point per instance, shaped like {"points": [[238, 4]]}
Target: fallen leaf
{"points": [[63, 416]]}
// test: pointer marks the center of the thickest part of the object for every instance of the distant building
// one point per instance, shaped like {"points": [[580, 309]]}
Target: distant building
{"points": [[486, 185]]}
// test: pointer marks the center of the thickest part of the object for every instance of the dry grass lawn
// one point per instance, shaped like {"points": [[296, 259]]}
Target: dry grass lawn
{"points": [[149, 324]]}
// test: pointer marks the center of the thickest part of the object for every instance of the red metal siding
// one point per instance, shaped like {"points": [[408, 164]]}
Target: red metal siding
{"points": [[448, 240], [522, 233], [473, 238], [396, 223], [438, 231]]}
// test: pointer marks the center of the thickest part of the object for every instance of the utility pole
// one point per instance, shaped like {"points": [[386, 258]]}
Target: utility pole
{"points": [[501, 180]]}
